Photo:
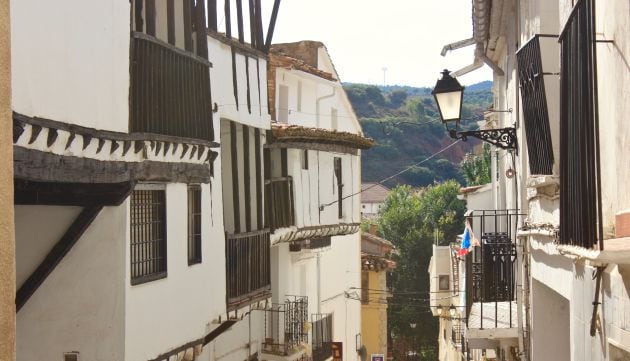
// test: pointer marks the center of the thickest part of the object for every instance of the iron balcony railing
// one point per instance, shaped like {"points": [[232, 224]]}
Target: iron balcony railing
{"points": [[322, 336], [279, 192], [285, 327], [457, 333], [170, 90], [491, 268], [247, 267]]}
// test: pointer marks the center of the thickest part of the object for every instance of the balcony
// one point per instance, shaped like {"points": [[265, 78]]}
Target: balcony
{"points": [[247, 268], [491, 271], [322, 336], [285, 329], [280, 203], [170, 90]]}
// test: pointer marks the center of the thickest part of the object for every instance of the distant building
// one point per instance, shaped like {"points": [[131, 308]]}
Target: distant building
{"points": [[373, 195]]}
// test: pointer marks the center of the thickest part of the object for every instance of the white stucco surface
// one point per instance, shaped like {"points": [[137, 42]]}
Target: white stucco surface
{"points": [[56, 63]]}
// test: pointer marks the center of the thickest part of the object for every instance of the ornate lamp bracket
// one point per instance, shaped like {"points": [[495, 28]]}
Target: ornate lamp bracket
{"points": [[504, 138]]}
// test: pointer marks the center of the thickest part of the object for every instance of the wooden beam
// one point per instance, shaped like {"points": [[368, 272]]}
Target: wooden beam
{"points": [[71, 194], [259, 181], [170, 20], [234, 77], [239, 21], [200, 20], [284, 162], [252, 24], [260, 45], [150, 15], [235, 182], [39, 166], [249, 90], [228, 20], [187, 8], [333, 148], [267, 175], [217, 331], [138, 15], [272, 24], [212, 15], [247, 179], [56, 255]]}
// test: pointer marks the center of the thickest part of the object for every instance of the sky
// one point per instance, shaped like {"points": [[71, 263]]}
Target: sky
{"points": [[363, 36]]}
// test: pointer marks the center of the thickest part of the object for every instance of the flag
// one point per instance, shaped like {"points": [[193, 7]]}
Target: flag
{"points": [[467, 237]]}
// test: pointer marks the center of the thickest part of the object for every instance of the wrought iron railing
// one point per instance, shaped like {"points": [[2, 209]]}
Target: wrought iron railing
{"points": [[281, 204], [580, 198], [457, 333], [455, 271], [322, 336], [285, 327], [491, 267], [247, 267], [170, 90], [535, 113]]}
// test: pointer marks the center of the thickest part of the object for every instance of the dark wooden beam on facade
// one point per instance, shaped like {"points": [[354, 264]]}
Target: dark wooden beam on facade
{"points": [[56, 255], [272, 24], [234, 77], [187, 9], [170, 20], [212, 15], [260, 45], [247, 179], [150, 15], [284, 163], [235, 180], [252, 24], [70, 194], [200, 29], [39, 166], [218, 331], [228, 19], [138, 15], [239, 21], [267, 175], [258, 174], [249, 90]]}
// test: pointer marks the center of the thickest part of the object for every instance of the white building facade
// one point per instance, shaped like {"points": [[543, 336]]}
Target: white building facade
{"points": [[560, 67], [314, 181]]}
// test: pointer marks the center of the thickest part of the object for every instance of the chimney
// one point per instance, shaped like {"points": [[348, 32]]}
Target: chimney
{"points": [[372, 229]]}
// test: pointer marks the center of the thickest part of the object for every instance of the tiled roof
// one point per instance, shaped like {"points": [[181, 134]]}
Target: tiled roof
{"points": [[373, 193], [280, 60], [294, 133]]}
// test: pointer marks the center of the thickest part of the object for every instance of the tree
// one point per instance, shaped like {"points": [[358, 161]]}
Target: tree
{"points": [[397, 98], [409, 219], [476, 168]]}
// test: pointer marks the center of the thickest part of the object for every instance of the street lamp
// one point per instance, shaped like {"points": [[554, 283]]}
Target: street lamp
{"points": [[449, 96], [439, 310], [412, 325], [451, 311]]}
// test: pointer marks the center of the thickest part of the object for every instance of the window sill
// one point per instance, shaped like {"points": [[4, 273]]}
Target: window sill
{"points": [[148, 278], [616, 251]]}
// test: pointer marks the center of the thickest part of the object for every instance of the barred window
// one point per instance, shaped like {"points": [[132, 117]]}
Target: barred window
{"points": [[194, 224], [148, 235]]}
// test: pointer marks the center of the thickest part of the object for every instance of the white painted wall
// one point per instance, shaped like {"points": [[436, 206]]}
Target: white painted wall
{"points": [[370, 209], [81, 305], [167, 313], [550, 324], [70, 61]]}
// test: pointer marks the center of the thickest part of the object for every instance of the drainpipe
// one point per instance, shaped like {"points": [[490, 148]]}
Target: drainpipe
{"points": [[596, 303], [317, 102], [319, 283]]}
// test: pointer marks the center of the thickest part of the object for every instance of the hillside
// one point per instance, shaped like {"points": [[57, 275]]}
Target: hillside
{"points": [[404, 122]]}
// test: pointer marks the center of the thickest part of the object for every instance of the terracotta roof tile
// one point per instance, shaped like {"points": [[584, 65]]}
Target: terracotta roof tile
{"points": [[373, 193]]}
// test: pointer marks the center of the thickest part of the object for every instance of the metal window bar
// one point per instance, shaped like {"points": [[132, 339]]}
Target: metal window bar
{"points": [[457, 333], [247, 267], [285, 326], [279, 191], [322, 336], [148, 235], [580, 200], [535, 113], [194, 224], [492, 266]]}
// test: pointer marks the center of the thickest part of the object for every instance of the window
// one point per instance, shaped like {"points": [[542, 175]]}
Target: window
{"points": [[580, 204], [148, 235], [339, 178], [305, 159], [283, 104], [194, 224], [443, 283], [365, 287], [321, 336]]}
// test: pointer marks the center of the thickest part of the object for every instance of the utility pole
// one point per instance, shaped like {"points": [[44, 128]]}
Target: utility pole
{"points": [[384, 74]]}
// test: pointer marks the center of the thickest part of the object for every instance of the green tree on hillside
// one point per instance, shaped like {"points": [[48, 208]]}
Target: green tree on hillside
{"points": [[476, 167]]}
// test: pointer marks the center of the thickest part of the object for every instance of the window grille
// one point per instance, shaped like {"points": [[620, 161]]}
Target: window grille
{"points": [[148, 235], [194, 224], [247, 267], [535, 113], [580, 207], [322, 336]]}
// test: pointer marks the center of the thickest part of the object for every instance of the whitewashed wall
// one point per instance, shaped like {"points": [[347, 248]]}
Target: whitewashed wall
{"points": [[70, 61], [81, 305], [167, 313]]}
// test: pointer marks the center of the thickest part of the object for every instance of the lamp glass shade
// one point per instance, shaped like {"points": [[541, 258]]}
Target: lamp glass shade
{"points": [[449, 96], [439, 310], [450, 105], [452, 311]]}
